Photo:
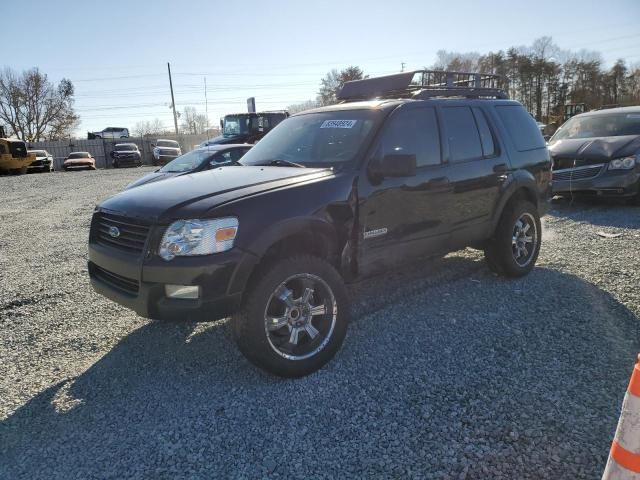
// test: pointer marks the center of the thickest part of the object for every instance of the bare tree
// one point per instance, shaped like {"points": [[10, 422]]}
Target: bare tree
{"points": [[149, 127], [192, 122], [301, 107], [34, 108]]}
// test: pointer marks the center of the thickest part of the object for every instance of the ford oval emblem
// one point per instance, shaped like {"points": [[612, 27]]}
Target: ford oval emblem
{"points": [[114, 231]]}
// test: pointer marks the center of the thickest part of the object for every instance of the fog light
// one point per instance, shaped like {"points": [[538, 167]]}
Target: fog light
{"points": [[182, 291]]}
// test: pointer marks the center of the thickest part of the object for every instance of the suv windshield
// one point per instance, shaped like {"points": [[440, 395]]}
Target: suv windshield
{"points": [[600, 125], [236, 125], [315, 140], [79, 155], [188, 161], [167, 143], [125, 147]]}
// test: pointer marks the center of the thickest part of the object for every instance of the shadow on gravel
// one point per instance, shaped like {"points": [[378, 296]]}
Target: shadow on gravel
{"points": [[463, 375], [597, 211]]}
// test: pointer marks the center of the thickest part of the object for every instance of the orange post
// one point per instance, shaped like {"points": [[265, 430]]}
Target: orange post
{"points": [[624, 457]]}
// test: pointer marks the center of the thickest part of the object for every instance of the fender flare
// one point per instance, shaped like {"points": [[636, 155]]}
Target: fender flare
{"points": [[255, 251], [520, 179]]}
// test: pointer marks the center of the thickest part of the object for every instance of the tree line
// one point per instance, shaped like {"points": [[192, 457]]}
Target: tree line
{"points": [[542, 76]]}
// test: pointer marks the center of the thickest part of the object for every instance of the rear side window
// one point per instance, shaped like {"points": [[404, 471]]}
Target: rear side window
{"points": [[462, 134], [413, 132], [488, 147], [522, 128]]}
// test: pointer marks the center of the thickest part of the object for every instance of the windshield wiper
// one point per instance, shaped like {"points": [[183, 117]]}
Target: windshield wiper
{"points": [[282, 163]]}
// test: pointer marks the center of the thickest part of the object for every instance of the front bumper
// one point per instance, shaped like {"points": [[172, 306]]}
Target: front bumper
{"points": [[165, 158], [69, 166], [127, 161], [140, 284], [40, 165], [609, 183]]}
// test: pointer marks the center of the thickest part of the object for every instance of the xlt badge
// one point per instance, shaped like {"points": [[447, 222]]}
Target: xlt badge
{"points": [[378, 232]]}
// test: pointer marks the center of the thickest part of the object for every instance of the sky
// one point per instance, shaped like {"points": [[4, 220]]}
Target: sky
{"points": [[116, 52]]}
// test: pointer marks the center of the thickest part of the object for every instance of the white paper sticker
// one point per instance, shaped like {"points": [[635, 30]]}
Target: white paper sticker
{"points": [[338, 124], [633, 115]]}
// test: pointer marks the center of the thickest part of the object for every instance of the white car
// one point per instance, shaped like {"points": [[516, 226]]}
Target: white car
{"points": [[165, 150], [42, 163], [110, 133]]}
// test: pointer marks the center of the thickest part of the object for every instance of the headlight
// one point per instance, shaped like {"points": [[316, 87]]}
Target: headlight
{"points": [[198, 237], [626, 163]]}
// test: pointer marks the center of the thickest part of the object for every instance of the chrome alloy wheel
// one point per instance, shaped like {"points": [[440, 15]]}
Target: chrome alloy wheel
{"points": [[524, 240], [300, 317]]}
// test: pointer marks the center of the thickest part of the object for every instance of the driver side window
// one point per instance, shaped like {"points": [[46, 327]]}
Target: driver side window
{"points": [[413, 132]]}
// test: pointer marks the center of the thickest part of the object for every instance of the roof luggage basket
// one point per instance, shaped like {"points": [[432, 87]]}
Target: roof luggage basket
{"points": [[421, 84]]}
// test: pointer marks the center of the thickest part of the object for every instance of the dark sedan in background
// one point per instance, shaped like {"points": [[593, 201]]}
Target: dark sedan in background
{"points": [[126, 155], [598, 153], [204, 158]]}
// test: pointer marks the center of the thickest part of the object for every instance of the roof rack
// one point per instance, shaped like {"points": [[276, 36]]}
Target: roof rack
{"points": [[425, 84]]}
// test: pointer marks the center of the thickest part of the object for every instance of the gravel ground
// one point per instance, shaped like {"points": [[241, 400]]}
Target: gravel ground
{"points": [[447, 372]]}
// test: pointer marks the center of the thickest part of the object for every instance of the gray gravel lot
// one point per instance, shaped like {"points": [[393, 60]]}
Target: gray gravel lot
{"points": [[447, 372]]}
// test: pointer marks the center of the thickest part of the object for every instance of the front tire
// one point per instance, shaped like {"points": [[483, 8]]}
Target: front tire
{"points": [[515, 245], [294, 317]]}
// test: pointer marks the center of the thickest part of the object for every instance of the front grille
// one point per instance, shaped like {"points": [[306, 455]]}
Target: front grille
{"points": [[132, 234], [168, 153], [580, 173], [124, 284]]}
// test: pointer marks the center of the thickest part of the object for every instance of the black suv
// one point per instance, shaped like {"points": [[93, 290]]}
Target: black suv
{"points": [[329, 196]]}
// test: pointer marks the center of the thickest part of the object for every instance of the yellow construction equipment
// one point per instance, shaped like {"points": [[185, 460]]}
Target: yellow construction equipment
{"points": [[14, 158]]}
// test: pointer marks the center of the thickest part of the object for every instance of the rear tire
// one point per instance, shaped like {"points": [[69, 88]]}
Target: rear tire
{"points": [[515, 245], [274, 329]]}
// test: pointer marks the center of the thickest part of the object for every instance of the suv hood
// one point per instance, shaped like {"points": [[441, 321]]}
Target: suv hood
{"points": [[586, 151], [188, 196]]}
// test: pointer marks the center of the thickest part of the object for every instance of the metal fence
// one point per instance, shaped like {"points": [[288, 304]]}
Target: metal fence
{"points": [[101, 149]]}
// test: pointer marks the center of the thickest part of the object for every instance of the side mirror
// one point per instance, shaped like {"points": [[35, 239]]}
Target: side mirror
{"points": [[393, 165]]}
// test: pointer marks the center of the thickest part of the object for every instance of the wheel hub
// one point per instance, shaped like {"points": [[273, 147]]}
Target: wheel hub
{"points": [[299, 302], [524, 239]]}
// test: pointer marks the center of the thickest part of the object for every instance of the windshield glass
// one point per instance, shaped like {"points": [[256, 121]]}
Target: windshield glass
{"points": [[79, 155], [39, 153], [601, 125], [167, 143], [236, 125], [315, 140], [126, 147], [188, 161]]}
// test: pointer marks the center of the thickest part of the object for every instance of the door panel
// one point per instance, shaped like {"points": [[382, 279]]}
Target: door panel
{"points": [[405, 218], [477, 171]]}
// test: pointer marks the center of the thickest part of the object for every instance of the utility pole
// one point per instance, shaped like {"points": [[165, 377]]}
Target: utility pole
{"points": [[402, 64], [173, 102]]}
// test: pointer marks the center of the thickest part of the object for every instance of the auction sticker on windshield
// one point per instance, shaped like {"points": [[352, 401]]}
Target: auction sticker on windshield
{"points": [[338, 124]]}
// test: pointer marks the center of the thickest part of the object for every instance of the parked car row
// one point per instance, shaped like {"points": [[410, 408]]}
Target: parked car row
{"points": [[122, 155]]}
